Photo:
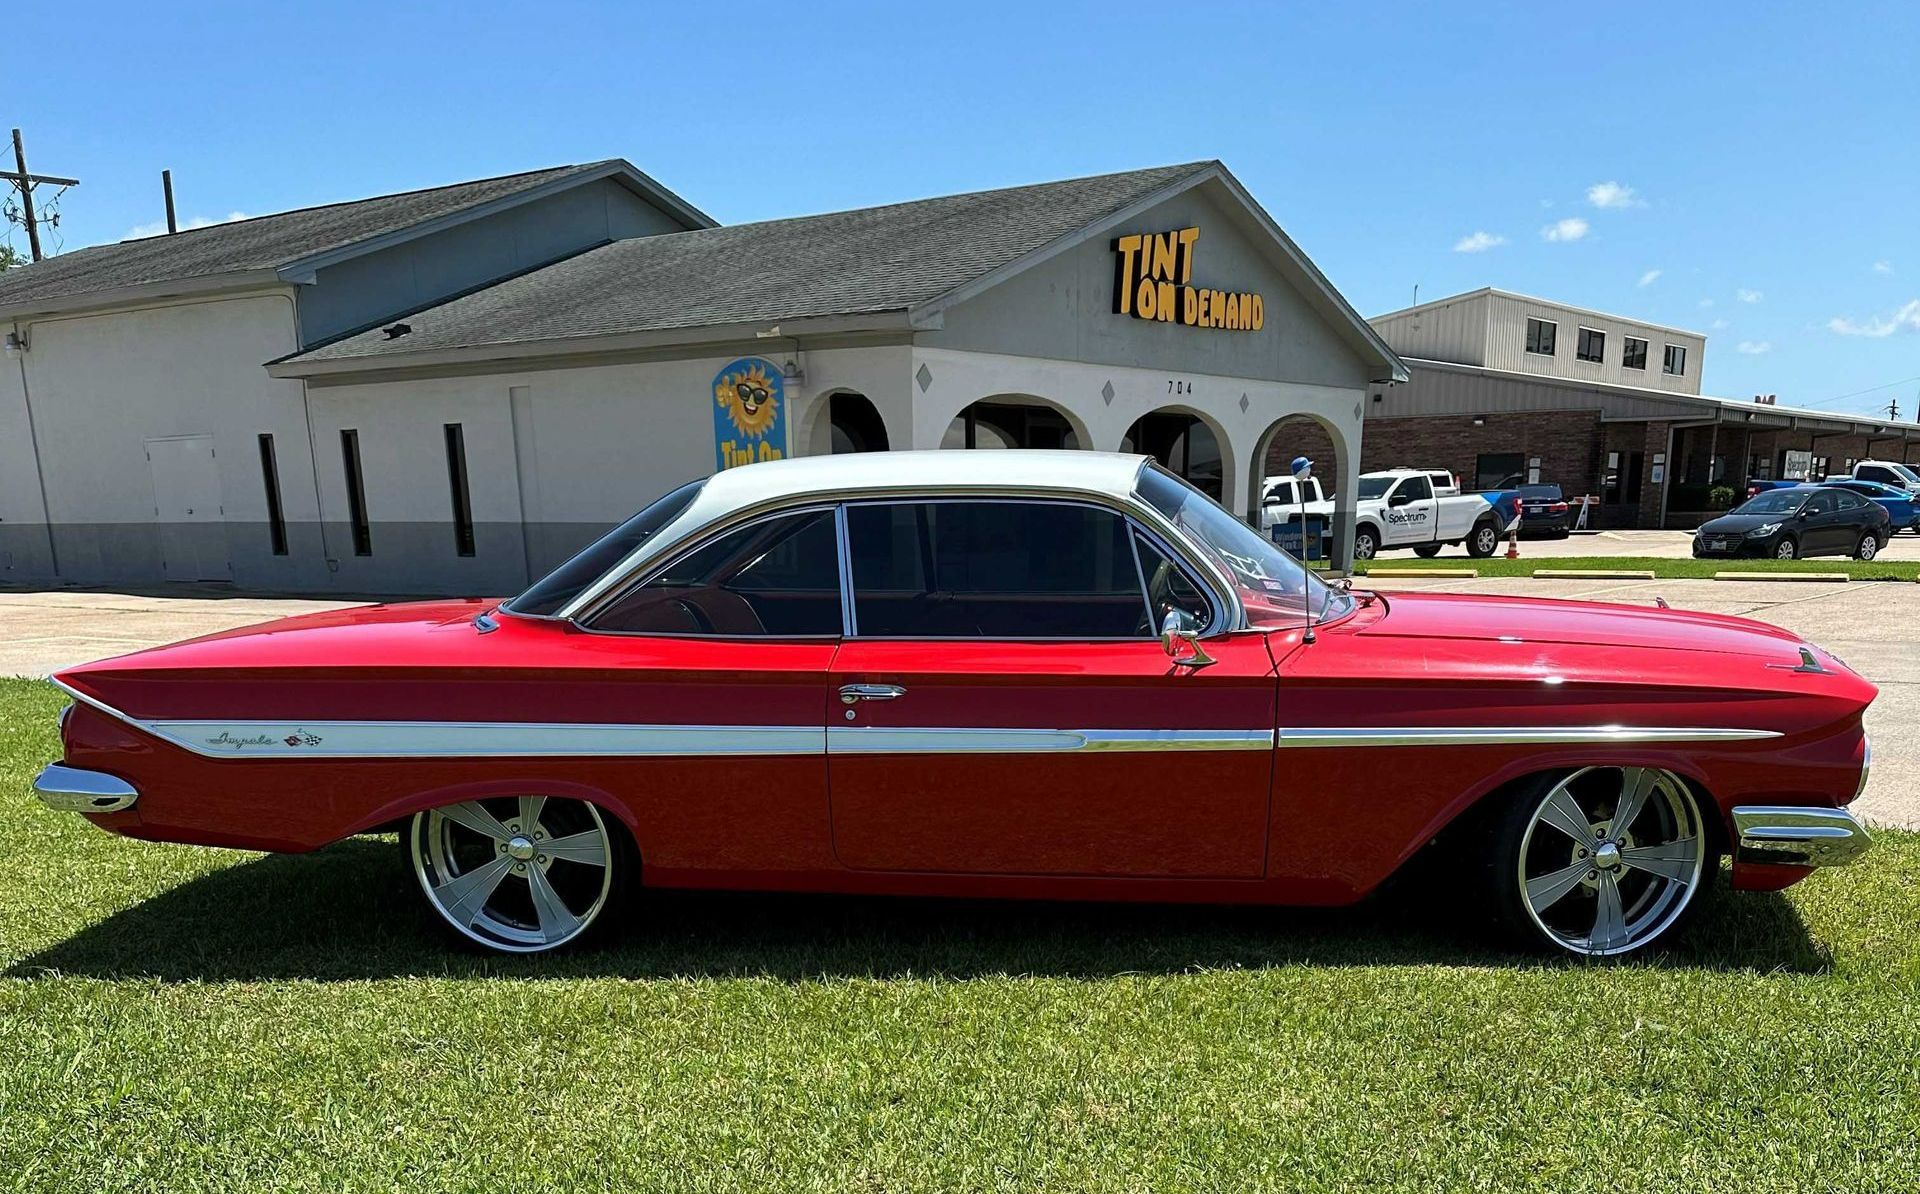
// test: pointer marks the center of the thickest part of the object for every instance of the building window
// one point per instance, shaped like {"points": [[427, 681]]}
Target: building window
{"points": [[1760, 468], [1610, 483], [356, 493], [1540, 336], [457, 485], [1817, 469], [276, 517], [1499, 470], [1636, 466], [1592, 346], [1676, 363], [1633, 355]]}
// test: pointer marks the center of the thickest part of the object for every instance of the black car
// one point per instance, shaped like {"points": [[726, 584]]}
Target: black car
{"points": [[1806, 520], [1544, 511]]}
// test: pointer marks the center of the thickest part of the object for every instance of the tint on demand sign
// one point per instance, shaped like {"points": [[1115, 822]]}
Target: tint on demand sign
{"points": [[1153, 279]]}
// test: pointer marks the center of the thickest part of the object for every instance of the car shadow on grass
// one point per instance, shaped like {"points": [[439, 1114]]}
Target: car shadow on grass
{"points": [[348, 913]]}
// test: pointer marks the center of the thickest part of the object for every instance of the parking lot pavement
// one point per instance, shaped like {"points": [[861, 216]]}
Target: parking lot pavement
{"points": [[1662, 545], [42, 632], [1873, 626]]}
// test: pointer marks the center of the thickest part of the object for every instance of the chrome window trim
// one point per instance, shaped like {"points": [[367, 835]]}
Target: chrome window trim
{"points": [[1230, 614], [849, 622], [1307, 738], [1125, 509], [689, 546]]}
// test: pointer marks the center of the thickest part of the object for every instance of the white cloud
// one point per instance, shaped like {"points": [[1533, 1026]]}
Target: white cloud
{"points": [[1649, 278], [1883, 267], [1479, 242], [1613, 194], [1906, 319], [1571, 228], [1754, 348], [1748, 296], [1720, 325], [139, 231]]}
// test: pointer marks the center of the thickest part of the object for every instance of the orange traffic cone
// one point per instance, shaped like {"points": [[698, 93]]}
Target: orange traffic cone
{"points": [[1513, 542]]}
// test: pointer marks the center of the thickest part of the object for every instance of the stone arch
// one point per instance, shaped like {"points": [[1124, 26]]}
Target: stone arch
{"points": [[1334, 463], [1015, 421], [1187, 442]]}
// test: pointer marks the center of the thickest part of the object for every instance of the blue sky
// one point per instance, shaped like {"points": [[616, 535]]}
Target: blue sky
{"points": [[1750, 171]]}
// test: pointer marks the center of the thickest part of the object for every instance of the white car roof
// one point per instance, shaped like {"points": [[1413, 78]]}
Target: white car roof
{"points": [[1107, 473]]}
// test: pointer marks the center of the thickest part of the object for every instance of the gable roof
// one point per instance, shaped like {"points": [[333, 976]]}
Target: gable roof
{"points": [[877, 267], [287, 242]]}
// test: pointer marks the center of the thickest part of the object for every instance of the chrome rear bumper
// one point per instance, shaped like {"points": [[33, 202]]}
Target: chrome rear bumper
{"points": [[74, 790], [1798, 836]]}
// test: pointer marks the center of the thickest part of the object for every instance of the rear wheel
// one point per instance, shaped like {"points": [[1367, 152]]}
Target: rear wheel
{"points": [[1484, 541], [1869, 547], [1427, 551], [519, 874], [1597, 863]]}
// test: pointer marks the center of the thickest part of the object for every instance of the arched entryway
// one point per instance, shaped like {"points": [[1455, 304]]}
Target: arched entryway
{"points": [[855, 425], [1183, 443], [1011, 422], [1272, 468]]}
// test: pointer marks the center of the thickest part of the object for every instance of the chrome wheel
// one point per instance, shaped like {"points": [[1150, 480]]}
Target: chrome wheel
{"points": [[1364, 545], [1611, 857], [1786, 550], [1869, 547], [520, 874]]}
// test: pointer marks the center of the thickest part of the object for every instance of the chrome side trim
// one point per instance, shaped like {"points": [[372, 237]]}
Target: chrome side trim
{"points": [[1509, 735], [1798, 836], [872, 740], [76, 790], [437, 739]]}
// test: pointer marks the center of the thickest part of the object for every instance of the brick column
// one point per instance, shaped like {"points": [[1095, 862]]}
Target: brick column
{"points": [[1652, 496]]}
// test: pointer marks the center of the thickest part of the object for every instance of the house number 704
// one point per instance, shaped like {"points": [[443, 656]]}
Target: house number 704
{"points": [[1179, 387]]}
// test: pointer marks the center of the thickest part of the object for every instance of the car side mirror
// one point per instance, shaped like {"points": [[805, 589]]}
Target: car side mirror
{"points": [[1400, 499], [1180, 627]]}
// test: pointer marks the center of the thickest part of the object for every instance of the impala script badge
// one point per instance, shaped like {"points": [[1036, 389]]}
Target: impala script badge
{"points": [[297, 738]]}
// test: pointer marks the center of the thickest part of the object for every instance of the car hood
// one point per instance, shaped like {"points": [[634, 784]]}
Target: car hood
{"points": [[1585, 623], [1739, 524]]}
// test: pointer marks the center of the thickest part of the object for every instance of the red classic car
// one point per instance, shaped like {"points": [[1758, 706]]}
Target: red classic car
{"points": [[1028, 674]]}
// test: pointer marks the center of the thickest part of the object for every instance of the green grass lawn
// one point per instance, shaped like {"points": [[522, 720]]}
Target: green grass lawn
{"points": [[183, 1019], [1906, 570]]}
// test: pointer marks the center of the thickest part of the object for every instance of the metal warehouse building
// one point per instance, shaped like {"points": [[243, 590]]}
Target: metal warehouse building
{"points": [[451, 390], [1504, 385]]}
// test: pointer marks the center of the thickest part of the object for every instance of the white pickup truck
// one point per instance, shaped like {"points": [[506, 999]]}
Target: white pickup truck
{"points": [[1400, 508]]}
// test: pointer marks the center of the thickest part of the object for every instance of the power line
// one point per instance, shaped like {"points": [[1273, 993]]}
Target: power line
{"points": [[1857, 393], [25, 182]]}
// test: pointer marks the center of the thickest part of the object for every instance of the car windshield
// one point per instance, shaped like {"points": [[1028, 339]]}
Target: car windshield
{"points": [[1541, 493], [1375, 487], [1775, 501], [1906, 473], [1275, 588], [566, 582]]}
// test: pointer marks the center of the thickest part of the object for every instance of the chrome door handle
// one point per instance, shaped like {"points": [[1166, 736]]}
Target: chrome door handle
{"points": [[849, 693]]}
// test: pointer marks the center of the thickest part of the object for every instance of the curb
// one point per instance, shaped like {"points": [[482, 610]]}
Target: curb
{"points": [[1805, 577], [1467, 573], [1592, 574]]}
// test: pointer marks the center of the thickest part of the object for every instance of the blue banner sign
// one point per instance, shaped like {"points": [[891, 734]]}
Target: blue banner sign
{"points": [[749, 413]]}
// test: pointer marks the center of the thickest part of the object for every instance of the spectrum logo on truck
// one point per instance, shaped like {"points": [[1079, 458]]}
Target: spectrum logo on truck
{"points": [[1153, 279]]}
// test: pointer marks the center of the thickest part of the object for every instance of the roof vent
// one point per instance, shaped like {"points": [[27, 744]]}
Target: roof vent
{"points": [[397, 330]]}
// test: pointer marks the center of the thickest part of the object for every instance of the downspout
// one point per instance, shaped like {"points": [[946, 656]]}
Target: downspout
{"points": [[33, 438], [313, 452]]}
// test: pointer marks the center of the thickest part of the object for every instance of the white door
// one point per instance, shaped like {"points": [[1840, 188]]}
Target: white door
{"points": [[187, 508], [1411, 512]]}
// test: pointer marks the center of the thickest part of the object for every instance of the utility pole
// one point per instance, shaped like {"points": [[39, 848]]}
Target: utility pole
{"points": [[1893, 408], [24, 183]]}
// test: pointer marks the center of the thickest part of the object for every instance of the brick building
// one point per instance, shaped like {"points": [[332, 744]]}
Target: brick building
{"points": [[1506, 386]]}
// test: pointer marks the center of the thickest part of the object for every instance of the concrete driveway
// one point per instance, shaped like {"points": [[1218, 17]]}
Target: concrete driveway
{"points": [[1873, 626], [1663, 545]]}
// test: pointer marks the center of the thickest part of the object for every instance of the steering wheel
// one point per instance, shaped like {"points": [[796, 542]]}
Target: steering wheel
{"points": [[701, 622]]}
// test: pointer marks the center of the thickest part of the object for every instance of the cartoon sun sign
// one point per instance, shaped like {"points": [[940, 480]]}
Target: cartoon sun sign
{"points": [[750, 398]]}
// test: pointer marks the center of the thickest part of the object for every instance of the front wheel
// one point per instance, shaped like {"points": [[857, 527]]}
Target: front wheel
{"points": [[1786, 549], [1365, 545], [518, 874], [1484, 541], [1869, 547], [1600, 862]]}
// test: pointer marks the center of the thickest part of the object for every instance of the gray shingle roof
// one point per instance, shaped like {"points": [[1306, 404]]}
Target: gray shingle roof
{"points": [[264, 242], [874, 259]]}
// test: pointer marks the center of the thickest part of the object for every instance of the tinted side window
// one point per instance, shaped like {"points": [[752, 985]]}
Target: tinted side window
{"points": [[1873, 472], [776, 578], [993, 570], [1417, 488], [1850, 501], [1821, 503]]}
